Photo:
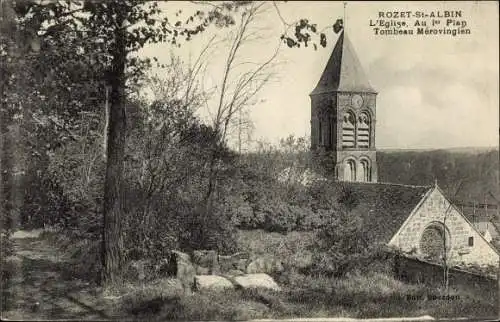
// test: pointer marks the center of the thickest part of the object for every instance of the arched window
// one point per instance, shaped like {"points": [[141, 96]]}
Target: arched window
{"points": [[364, 124], [365, 171], [325, 132], [314, 131], [329, 132], [350, 170], [433, 241], [348, 127], [320, 132]]}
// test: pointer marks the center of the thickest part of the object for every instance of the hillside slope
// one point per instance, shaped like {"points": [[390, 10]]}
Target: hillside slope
{"points": [[474, 174]]}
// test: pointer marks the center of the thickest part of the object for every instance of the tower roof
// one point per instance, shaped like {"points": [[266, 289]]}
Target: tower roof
{"points": [[343, 72]]}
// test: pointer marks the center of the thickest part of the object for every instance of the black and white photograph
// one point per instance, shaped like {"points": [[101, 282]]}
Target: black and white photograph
{"points": [[249, 160]]}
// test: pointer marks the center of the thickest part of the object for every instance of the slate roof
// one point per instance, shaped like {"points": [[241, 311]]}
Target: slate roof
{"points": [[384, 207], [343, 71]]}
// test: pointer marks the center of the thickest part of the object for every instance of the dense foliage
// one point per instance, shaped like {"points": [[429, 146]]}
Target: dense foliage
{"points": [[473, 173], [179, 186]]}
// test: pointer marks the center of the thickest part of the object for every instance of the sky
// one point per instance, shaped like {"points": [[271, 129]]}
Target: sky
{"points": [[434, 91]]}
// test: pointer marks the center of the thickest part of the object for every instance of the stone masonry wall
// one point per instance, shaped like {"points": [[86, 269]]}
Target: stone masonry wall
{"points": [[416, 271], [433, 210]]}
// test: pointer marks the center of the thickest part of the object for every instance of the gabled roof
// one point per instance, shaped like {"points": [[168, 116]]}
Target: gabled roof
{"points": [[383, 207], [343, 71]]}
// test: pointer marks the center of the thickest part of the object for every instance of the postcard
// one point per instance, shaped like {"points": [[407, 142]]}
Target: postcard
{"points": [[249, 160]]}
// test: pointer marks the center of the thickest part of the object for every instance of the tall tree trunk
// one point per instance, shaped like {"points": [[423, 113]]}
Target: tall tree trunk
{"points": [[5, 169], [112, 251]]}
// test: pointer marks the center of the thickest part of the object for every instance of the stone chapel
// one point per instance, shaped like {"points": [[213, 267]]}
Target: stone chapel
{"points": [[343, 115], [420, 221]]}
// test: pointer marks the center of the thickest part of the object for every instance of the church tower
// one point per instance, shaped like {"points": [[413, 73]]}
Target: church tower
{"points": [[343, 118]]}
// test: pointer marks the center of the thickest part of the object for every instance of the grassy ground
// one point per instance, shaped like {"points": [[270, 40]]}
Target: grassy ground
{"points": [[354, 297], [44, 274]]}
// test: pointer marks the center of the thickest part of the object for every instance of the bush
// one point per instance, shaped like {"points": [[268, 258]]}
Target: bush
{"points": [[208, 230], [45, 202], [153, 233], [8, 265], [341, 246], [279, 216], [310, 220], [7, 243]]}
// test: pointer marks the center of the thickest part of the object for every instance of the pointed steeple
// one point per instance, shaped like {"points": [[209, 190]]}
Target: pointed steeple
{"points": [[343, 72]]}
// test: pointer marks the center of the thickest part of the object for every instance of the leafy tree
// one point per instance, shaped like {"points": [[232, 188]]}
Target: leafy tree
{"points": [[341, 245], [167, 160], [111, 31], [86, 51], [47, 96]]}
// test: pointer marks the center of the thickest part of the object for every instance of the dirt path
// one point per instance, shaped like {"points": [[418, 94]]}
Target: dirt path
{"points": [[42, 285]]}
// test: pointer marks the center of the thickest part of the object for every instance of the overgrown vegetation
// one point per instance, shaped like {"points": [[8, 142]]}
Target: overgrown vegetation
{"points": [[353, 296], [84, 152]]}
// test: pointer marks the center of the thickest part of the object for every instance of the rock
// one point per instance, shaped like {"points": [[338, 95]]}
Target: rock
{"points": [[212, 283], [181, 256], [200, 270], [264, 265], [227, 263], [250, 281], [23, 234], [183, 269], [240, 255], [204, 258], [207, 258]]}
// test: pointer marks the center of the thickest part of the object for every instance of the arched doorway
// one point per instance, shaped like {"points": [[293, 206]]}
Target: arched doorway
{"points": [[435, 241]]}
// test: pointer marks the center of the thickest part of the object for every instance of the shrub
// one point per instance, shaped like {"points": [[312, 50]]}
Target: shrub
{"points": [[44, 203], [241, 213], [211, 229], [311, 220], [8, 265], [279, 217], [7, 243], [151, 234], [342, 246], [327, 199]]}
